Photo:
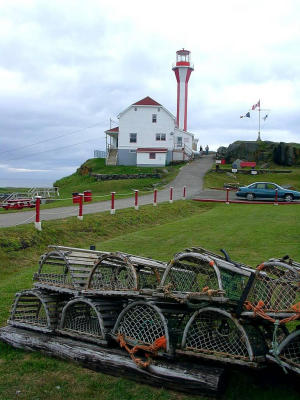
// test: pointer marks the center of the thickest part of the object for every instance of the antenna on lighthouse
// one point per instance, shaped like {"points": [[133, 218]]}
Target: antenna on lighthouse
{"points": [[183, 69]]}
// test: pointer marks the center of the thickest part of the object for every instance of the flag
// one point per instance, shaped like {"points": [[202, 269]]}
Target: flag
{"points": [[256, 105], [265, 117], [246, 115]]}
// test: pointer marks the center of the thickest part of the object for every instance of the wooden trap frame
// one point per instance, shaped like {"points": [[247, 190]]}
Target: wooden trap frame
{"points": [[216, 334], [35, 310], [74, 270], [89, 319], [197, 275]]}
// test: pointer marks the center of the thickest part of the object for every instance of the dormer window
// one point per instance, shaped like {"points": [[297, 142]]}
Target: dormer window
{"points": [[154, 118]]}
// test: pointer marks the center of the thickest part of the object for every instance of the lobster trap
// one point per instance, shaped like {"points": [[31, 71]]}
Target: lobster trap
{"points": [[201, 275], [275, 292], [89, 319], [76, 270], [288, 352], [214, 333], [199, 305], [35, 310]]}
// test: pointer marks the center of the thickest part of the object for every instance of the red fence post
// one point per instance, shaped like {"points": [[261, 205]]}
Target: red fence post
{"points": [[171, 195], [37, 222], [136, 199], [227, 195], [155, 198], [276, 197], [80, 208], [184, 193], [112, 206]]}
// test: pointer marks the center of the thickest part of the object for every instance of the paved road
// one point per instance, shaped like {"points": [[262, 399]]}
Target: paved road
{"points": [[191, 176]]}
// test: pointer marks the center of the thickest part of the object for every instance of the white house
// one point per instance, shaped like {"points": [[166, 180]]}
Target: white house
{"points": [[148, 134]]}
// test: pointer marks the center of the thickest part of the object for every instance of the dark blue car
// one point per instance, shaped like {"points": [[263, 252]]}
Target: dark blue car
{"points": [[267, 191]]}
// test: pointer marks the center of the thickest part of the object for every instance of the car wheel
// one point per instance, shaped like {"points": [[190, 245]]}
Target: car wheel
{"points": [[288, 197], [250, 196]]}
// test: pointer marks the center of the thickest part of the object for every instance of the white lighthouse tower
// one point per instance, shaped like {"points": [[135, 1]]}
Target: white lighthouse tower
{"points": [[183, 69]]}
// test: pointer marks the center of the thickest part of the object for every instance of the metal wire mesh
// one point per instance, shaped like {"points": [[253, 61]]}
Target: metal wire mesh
{"points": [[278, 288], [141, 324], [81, 318], [233, 284], [191, 275], [113, 273], [213, 333], [291, 352], [54, 270]]}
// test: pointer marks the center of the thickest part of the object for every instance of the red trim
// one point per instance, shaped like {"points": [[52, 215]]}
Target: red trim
{"points": [[176, 70], [37, 209], [112, 207], [185, 63], [136, 197], [155, 196], [80, 205], [116, 129], [151, 150], [188, 74], [147, 101]]}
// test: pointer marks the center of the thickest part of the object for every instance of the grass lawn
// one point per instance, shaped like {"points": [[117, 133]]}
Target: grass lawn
{"points": [[250, 233], [79, 183], [215, 179]]}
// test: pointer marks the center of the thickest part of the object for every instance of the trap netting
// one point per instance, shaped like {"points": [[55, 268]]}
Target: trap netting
{"points": [[89, 319], [113, 272], [116, 271], [141, 323], [35, 310], [69, 269], [195, 274], [215, 332], [275, 289], [289, 350]]}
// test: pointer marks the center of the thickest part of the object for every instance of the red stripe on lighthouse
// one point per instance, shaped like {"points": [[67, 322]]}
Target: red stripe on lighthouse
{"points": [[178, 93], [188, 74]]}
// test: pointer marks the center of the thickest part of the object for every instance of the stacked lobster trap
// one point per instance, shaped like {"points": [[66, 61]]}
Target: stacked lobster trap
{"points": [[200, 305]]}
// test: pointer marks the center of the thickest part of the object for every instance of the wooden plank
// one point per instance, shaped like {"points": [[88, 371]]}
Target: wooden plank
{"points": [[181, 376]]}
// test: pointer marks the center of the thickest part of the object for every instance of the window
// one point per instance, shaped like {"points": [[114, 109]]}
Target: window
{"points": [[154, 118], [132, 151], [152, 156], [160, 136], [270, 186], [261, 186], [179, 141], [135, 108], [132, 137], [158, 110]]}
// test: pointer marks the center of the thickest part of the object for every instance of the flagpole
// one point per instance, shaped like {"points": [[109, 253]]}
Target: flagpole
{"points": [[258, 137]]}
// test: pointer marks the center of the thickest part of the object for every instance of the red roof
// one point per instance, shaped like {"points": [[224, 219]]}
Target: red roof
{"points": [[151, 150], [113, 130], [147, 101]]}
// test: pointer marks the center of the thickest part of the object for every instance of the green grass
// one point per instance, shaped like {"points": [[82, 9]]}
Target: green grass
{"points": [[250, 233], [79, 183], [215, 179]]}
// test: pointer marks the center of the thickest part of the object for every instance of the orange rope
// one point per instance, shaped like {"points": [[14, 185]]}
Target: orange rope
{"points": [[160, 343], [258, 309]]}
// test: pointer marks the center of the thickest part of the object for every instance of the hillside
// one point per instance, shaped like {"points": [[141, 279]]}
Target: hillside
{"points": [[81, 179], [287, 154]]}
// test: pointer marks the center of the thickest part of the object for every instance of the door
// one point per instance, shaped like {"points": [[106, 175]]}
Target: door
{"points": [[270, 190]]}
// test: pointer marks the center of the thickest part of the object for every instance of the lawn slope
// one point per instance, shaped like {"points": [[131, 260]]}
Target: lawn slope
{"points": [[250, 233]]}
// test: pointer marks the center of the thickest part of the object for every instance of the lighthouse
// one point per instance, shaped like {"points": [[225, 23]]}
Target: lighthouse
{"points": [[183, 69]]}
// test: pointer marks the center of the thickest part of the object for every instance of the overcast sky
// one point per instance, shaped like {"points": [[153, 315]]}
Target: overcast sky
{"points": [[67, 67]]}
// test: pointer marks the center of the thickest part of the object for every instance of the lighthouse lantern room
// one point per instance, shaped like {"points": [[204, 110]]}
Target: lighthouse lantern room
{"points": [[183, 69]]}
